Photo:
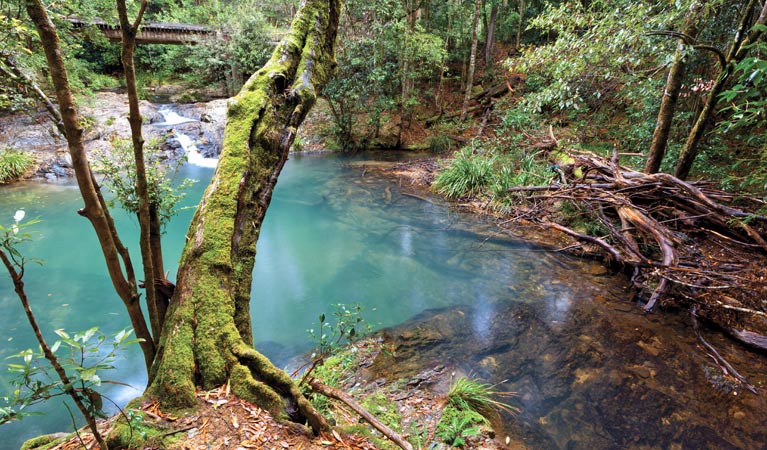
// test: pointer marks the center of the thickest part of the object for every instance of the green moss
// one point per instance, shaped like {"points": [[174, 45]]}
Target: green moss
{"points": [[136, 433], [384, 409], [256, 392], [201, 343], [44, 442]]}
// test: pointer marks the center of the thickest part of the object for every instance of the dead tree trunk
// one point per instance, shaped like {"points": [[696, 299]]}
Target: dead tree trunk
{"points": [[206, 339]]}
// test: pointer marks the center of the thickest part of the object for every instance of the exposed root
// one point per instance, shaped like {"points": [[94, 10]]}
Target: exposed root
{"points": [[684, 240], [257, 375]]}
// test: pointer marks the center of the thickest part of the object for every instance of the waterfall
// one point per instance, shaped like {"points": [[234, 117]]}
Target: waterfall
{"points": [[193, 155]]}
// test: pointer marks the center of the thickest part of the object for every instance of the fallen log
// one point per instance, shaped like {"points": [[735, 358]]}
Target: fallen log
{"points": [[453, 114]]}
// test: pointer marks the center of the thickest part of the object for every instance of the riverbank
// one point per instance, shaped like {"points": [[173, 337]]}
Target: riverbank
{"points": [[411, 406], [628, 379]]}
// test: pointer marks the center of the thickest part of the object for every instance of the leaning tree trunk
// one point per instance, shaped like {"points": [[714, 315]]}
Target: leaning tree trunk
{"points": [[671, 93], [207, 338], [741, 45]]}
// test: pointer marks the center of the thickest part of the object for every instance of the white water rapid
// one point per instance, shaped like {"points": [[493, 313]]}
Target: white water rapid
{"points": [[193, 155]]}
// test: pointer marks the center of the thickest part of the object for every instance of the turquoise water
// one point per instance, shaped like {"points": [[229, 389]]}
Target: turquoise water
{"points": [[332, 235], [591, 370]]}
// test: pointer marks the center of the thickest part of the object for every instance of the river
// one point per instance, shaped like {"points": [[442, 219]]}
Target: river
{"points": [[590, 370]]}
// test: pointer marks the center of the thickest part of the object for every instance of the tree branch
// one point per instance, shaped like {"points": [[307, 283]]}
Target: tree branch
{"points": [[344, 397]]}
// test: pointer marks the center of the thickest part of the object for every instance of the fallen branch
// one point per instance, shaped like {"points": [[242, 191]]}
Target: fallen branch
{"points": [[406, 194], [724, 365], [344, 397], [591, 239], [666, 244]]}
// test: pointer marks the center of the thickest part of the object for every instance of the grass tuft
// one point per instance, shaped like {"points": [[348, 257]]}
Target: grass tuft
{"points": [[470, 395], [13, 164]]}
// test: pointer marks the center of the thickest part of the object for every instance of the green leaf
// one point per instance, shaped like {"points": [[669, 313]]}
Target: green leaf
{"points": [[62, 333]]}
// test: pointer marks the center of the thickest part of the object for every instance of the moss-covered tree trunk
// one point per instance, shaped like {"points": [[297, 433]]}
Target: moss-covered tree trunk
{"points": [[671, 92], [207, 338]]}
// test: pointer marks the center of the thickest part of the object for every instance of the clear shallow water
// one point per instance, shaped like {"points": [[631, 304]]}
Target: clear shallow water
{"points": [[559, 329]]}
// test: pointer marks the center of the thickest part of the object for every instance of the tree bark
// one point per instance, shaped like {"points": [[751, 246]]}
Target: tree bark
{"points": [[738, 51], [520, 24], [671, 93], [115, 253], [472, 59], [129, 31], [207, 333], [491, 35]]}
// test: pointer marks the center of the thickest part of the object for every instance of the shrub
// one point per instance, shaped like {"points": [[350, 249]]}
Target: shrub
{"points": [[439, 143]]}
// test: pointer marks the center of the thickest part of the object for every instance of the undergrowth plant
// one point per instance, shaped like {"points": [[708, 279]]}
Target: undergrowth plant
{"points": [[467, 174], [471, 395], [470, 405], [491, 174], [13, 164], [42, 375]]}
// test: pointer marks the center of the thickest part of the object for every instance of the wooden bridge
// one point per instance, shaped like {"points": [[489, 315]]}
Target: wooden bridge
{"points": [[151, 32]]}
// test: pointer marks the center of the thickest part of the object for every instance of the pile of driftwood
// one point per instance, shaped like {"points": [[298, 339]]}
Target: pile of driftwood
{"points": [[686, 243]]}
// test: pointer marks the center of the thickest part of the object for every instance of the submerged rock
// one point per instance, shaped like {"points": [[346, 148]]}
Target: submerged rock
{"points": [[594, 378]]}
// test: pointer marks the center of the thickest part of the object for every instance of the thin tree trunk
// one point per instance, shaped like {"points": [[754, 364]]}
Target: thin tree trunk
{"points": [[491, 35], [15, 72], [162, 297], [520, 24], [472, 59], [671, 93], [205, 340], [129, 31], [738, 51], [115, 254], [18, 284]]}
